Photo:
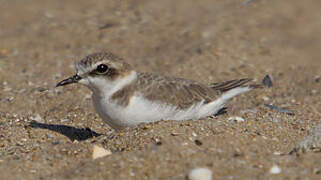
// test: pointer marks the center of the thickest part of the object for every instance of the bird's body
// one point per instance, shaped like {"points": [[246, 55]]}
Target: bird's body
{"points": [[124, 97]]}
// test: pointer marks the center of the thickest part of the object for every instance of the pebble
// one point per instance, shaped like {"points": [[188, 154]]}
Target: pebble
{"points": [[38, 118], [184, 144], [55, 142], [267, 81], [278, 109], [316, 171], [33, 171], [312, 142], [87, 96], [275, 169], [265, 98], [277, 153], [30, 83], [65, 120], [198, 142], [236, 119], [50, 135], [194, 134], [200, 174], [99, 152]]}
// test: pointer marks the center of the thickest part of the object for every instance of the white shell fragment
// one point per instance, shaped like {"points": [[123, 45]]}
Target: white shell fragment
{"points": [[200, 174], [275, 169], [236, 119], [38, 119], [99, 152]]}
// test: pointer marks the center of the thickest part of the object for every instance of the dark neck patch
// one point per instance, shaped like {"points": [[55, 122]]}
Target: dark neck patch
{"points": [[122, 97]]}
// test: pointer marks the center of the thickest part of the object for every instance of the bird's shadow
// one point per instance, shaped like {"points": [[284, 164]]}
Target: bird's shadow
{"points": [[79, 134]]}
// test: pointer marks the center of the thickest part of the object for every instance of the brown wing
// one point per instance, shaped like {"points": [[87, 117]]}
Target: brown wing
{"points": [[181, 92], [176, 91]]}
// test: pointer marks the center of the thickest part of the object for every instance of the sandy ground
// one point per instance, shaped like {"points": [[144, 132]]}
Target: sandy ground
{"points": [[51, 134]]}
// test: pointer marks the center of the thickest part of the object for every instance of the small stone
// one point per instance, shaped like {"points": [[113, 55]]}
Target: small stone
{"points": [[176, 134], [55, 142], [236, 119], [200, 174], [198, 142], [30, 83], [310, 143], [19, 143], [157, 141], [184, 144], [265, 98], [65, 120], [99, 152], [33, 171], [49, 135], [88, 96], [267, 81], [275, 169], [42, 89], [278, 109], [147, 126], [316, 171], [38, 118], [277, 153], [194, 134]]}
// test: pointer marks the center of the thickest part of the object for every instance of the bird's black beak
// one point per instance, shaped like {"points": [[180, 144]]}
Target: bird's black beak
{"points": [[73, 79]]}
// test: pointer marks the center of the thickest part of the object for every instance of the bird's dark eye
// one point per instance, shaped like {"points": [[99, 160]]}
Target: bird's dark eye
{"points": [[102, 68]]}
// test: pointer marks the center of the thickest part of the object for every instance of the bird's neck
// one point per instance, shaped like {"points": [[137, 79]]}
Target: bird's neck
{"points": [[107, 89]]}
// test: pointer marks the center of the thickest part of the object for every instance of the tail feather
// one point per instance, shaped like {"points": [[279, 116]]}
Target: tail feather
{"points": [[229, 89], [228, 85]]}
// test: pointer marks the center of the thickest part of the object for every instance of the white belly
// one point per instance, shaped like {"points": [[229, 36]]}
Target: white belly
{"points": [[141, 110]]}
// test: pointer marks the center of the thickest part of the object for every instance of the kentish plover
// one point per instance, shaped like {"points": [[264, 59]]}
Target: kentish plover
{"points": [[124, 97]]}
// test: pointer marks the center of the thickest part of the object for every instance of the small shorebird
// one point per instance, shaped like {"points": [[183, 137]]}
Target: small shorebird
{"points": [[124, 97]]}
